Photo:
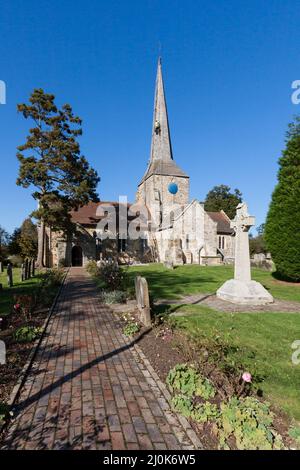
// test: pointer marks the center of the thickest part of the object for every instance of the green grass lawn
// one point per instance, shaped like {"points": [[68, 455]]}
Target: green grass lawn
{"points": [[20, 288], [263, 339], [184, 280]]}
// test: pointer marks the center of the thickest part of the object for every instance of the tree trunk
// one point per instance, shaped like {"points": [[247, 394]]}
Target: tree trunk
{"points": [[41, 245]]}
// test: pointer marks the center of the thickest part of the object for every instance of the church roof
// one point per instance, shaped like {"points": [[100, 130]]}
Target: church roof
{"points": [[87, 215], [166, 168], [161, 157], [223, 222]]}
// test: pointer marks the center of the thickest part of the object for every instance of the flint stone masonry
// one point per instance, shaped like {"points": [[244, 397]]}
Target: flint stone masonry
{"points": [[241, 289]]}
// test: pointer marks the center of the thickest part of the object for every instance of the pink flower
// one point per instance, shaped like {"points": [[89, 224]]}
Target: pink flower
{"points": [[247, 377], [17, 306]]}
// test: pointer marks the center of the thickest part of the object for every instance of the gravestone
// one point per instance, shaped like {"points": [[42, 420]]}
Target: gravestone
{"points": [[29, 268], [33, 267], [1, 267], [22, 272], [2, 353], [26, 269], [174, 253], [241, 289], [142, 298], [9, 272]]}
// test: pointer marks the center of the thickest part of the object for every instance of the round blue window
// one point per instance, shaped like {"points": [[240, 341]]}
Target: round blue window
{"points": [[173, 188]]}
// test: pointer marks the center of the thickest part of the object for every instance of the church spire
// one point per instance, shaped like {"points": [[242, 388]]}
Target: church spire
{"points": [[161, 148]]}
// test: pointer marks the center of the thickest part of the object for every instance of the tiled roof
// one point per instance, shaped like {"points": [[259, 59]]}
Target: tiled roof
{"points": [[87, 215], [223, 221], [163, 167]]}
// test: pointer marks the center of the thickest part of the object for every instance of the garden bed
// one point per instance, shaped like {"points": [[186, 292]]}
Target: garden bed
{"points": [[165, 349], [22, 326]]}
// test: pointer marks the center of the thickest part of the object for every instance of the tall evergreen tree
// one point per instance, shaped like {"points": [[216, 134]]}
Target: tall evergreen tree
{"points": [[221, 198], [51, 162], [4, 240], [282, 230], [28, 240]]}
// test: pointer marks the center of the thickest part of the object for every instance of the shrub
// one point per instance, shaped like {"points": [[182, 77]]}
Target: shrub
{"points": [[283, 221], [24, 304], [92, 268], [113, 297], [62, 263], [52, 278], [185, 379], [131, 329], [4, 412], [112, 275], [249, 421], [26, 334]]}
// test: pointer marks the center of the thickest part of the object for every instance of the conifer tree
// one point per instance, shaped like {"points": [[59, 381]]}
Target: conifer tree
{"points": [[51, 162], [282, 230]]}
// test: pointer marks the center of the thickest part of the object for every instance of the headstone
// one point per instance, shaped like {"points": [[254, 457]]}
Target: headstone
{"points": [[33, 267], [2, 353], [169, 265], [26, 269], [22, 272], [241, 289], [174, 253], [1, 267], [142, 298], [29, 268], [9, 275]]}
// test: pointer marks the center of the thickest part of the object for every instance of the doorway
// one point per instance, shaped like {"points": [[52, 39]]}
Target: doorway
{"points": [[77, 256]]}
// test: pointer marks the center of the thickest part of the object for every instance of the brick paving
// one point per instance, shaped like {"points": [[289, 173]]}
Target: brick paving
{"points": [[89, 388]]}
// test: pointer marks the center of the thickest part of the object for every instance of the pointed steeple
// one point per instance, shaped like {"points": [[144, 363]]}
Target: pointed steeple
{"points": [[161, 148], [161, 157]]}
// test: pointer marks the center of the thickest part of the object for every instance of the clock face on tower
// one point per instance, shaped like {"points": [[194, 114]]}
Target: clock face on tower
{"points": [[173, 188]]}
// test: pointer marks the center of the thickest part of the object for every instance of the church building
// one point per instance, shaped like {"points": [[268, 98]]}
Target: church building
{"points": [[177, 230]]}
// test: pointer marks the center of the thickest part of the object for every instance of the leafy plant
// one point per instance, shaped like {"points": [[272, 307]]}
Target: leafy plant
{"points": [[26, 334], [249, 421], [185, 379], [131, 329], [204, 412], [4, 412], [113, 297], [112, 275], [24, 304], [183, 405], [294, 432], [92, 268]]}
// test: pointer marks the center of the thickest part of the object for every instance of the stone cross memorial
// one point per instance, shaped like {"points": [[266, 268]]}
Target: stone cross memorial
{"points": [[142, 298], [241, 289]]}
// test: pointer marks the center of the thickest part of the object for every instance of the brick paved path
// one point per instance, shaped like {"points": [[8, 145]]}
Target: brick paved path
{"points": [[89, 388]]}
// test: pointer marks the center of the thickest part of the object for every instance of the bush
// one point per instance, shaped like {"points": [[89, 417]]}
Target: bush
{"points": [[246, 422], [26, 334], [283, 221], [249, 421], [52, 278], [185, 379], [131, 329], [92, 268], [62, 263], [4, 413], [113, 297], [112, 276]]}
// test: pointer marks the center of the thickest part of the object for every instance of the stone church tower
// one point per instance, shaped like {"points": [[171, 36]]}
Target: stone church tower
{"points": [[164, 186]]}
